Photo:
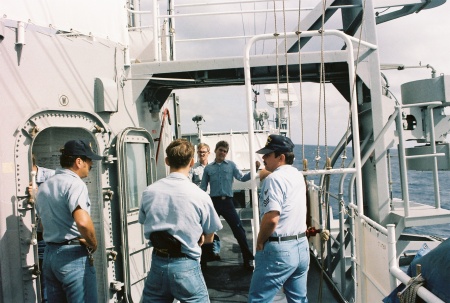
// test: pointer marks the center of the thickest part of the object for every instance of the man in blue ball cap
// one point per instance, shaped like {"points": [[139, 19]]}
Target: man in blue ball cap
{"points": [[64, 208], [282, 251]]}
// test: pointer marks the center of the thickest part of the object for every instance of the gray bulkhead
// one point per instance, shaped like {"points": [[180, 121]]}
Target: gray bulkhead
{"points": [[56, 87], [57, 84]]}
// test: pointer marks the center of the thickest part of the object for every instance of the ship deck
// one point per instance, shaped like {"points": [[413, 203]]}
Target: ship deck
{"points": [[228, 281]]}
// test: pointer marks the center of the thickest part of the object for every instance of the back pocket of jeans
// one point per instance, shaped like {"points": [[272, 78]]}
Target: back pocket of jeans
{"points": [[190, 282]]}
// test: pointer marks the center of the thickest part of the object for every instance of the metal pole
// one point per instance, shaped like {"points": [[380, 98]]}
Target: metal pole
{"points": [[437, 196], [353, 249], [171, 32], [392, 253], [251, 131], [155, 31], [342, 243], [402, 163]]}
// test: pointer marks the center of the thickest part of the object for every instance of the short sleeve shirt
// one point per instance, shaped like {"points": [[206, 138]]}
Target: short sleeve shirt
{"points": [[177, 205], [57, 199], [43, 174], [284, 191]]}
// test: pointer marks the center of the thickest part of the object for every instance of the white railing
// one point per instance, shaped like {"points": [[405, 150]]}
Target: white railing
{"points": [[398, 274], [403, 157], [348, 40], [396, 116], [147, 14]]}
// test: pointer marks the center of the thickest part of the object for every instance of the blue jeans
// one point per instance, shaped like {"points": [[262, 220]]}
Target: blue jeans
{"points": [[68, 275], [280, 264], [179, 278], [225, 208], [41, 249]]}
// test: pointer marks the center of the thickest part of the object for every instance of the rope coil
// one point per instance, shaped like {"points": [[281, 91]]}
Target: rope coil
{"points": [[409, 294]]}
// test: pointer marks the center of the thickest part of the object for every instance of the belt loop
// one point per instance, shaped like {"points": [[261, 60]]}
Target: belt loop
{"points": [[279, 240]]}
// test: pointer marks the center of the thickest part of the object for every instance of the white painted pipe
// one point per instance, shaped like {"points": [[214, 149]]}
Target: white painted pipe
{"points": [[20, 33]]}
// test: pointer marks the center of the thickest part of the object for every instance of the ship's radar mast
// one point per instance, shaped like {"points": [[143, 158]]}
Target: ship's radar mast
{"points": [[280, 99], [198, 119]]}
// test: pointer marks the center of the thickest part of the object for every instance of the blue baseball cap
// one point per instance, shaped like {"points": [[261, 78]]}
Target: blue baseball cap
{"points": [[277, 143], [80, 148]]}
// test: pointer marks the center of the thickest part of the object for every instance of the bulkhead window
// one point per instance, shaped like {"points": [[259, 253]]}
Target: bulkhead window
{"points": [[137, 173]]}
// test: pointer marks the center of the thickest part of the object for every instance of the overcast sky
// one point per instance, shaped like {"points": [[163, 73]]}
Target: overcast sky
{"points": [[422, 38]]}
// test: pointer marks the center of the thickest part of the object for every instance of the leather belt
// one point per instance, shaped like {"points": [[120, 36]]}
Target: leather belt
{"points": [[161, 253], [286, 238], [67, 242]]}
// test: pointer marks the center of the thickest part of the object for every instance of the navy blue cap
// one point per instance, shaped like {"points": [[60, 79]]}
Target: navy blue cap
{"points": [[277, 143], [80, 148]]}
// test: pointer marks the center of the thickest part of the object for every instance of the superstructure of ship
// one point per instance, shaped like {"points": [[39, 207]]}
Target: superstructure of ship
{"points": [[109, 71]]}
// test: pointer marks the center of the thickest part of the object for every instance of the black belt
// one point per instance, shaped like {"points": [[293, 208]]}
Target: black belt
{"points": [[67, 242], [221, 198], [286, 238], [164, 254]]}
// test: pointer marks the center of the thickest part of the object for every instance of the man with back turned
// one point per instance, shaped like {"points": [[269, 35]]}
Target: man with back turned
{"points": [[178, 217]]}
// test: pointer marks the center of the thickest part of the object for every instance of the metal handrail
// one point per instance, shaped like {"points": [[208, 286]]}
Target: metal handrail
{"points": [[398, 274], [157, 17], [348, 40], [403, 157], [388, 124]]}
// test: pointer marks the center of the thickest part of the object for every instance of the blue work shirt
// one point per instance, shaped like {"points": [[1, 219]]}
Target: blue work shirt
{"points": [[177, 205], [43, 174], [57, 199], [220, 176]]}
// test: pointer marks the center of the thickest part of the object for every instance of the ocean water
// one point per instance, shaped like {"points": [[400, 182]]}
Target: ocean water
{"points": [[421, 188]]}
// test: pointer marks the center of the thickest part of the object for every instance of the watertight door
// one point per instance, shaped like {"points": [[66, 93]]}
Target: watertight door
{"points": [[137, 169]]}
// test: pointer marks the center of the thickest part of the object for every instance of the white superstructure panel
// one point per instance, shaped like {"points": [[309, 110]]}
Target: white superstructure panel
{"points": [[102, 18]]}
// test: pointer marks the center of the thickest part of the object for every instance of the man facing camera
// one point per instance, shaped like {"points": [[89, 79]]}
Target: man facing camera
{"points": [[220, 175]]}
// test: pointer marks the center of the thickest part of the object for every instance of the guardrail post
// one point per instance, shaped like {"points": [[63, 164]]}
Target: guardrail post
{"points": [[392, 253]]}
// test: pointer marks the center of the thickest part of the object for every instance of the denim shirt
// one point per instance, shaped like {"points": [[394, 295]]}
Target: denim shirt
{"points": [[220, 177]]}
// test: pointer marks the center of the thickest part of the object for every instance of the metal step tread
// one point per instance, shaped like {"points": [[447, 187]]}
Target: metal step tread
{"points": [[421, 214]]}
